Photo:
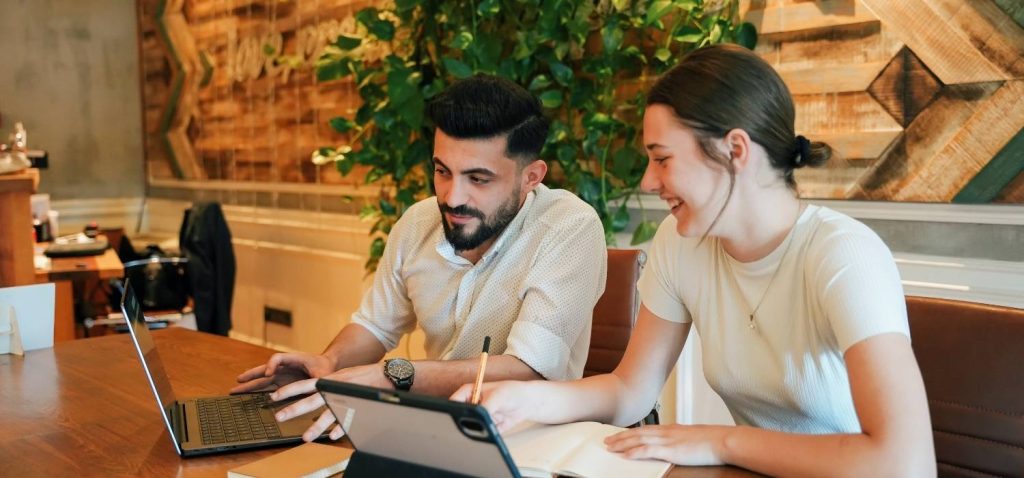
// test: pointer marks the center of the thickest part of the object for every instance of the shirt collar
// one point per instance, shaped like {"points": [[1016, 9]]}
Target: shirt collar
{"points": [[445, 249]]}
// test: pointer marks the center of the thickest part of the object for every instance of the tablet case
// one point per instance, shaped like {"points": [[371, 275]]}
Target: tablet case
{"points": [[399, 433]]}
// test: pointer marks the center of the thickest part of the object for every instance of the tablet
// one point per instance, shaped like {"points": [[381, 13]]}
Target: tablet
{"points": [[399, 433]]}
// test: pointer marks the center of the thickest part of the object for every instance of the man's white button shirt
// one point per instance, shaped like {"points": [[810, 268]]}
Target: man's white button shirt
{"points": [[533, 292]]}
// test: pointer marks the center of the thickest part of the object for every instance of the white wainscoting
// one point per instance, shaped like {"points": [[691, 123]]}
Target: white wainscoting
{"points": [[306, 262]]}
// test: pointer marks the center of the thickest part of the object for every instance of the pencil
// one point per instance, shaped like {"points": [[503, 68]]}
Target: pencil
{"points": [[479, 383]]}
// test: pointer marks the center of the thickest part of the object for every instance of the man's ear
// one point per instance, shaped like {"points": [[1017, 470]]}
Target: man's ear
{"points": [[533, 174], [737, 145]]}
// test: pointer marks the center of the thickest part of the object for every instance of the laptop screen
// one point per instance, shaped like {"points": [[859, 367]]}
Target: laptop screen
{"points": [[151, 362]]}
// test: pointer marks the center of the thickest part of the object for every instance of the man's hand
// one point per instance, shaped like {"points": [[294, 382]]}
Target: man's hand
{"points": [[370, 375], [283, 369]]}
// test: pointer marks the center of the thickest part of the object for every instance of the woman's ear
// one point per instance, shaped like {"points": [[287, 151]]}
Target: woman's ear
{"points": [[737, 144]]}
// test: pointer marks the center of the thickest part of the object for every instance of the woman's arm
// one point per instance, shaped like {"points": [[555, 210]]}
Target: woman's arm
{"points": [[889, 397], [622, 397]]}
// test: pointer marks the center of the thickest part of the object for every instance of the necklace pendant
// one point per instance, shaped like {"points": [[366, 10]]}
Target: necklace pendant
{"points": [[751, 325]]}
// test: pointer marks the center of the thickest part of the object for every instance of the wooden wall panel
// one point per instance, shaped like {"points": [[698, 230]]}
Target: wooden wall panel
{"points": [[920, 98], [235, 116]]}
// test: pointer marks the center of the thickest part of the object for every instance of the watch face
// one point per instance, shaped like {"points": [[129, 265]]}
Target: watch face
{"points": [[400, 369]]}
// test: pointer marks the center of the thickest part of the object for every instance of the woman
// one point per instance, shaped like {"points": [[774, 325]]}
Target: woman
{"points": [[799, 308]]}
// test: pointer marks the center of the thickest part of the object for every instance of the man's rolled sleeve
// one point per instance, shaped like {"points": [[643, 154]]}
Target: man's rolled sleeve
{"points": [[552, 332], [386, 310]]}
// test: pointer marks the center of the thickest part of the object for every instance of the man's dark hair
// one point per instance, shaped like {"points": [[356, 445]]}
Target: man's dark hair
{"points": [[486, 106]]}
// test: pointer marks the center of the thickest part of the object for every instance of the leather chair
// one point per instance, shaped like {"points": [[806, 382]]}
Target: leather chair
{"points": [[615, 315], [972, 359]]}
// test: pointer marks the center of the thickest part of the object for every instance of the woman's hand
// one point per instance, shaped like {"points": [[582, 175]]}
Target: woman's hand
{"points": [[692, 445], [509, 403]]}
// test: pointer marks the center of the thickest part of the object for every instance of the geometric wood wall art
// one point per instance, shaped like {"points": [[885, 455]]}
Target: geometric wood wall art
{"points": [[947, 74], [921, 99]]}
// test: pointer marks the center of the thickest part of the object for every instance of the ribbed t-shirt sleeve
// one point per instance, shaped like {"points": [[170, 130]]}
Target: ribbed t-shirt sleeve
{"points": [[860, 287], [386, 310], [659, 282]]}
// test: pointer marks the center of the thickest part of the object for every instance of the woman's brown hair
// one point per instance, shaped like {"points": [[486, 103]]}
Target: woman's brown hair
{"points": [[723, 87]]}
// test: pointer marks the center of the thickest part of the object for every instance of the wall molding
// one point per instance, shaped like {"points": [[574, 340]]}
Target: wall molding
{"points": [[974, 280], [107, 212], [267, 187], [1003, 214]]}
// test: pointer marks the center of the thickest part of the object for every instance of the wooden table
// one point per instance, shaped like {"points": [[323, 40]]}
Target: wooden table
{"points": [[83, 408], [64, 272]]}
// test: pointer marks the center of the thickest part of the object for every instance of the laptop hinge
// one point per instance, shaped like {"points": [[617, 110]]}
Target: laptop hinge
{"points": [[180, 422]]}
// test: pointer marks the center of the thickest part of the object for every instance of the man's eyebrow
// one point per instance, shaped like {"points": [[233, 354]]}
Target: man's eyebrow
{"points": [[651, 146], [483, 171], [480, 171]]}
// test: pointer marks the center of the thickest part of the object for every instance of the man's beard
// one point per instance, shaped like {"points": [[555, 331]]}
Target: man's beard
{"points": [[487, 229]]}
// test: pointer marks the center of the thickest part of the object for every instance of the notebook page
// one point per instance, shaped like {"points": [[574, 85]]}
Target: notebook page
{"points": [[592, 458], [544, 448]]}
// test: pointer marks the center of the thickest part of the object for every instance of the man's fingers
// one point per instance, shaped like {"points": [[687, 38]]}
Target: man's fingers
{"points": [[300, 407], [337, 432], [318, 427], [255, 372], [254, 385], [301, 387]]}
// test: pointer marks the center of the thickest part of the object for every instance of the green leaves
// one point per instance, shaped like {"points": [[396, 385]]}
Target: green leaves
{"points": [[644, 232], [746, 35], [347, 43], [656, 11], [563, 74], [341, 125], [583, 60], [488, 8], [380, 28], [551, 99], [457, 68]]}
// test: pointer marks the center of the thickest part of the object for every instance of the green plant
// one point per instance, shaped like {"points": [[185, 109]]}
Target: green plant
{"points": [[588, 61]]}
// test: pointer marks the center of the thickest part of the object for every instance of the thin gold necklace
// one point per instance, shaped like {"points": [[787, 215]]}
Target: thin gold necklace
{"points": [[751, 324]]}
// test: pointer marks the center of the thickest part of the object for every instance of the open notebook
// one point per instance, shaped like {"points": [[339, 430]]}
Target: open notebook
{"points": [[574, 449]]}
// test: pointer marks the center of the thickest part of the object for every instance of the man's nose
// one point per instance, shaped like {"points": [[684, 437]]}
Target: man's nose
{"points": [[456, 195]]}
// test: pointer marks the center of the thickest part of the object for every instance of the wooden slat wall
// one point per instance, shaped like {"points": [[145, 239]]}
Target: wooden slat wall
{"points": [[261, 129], [918, 97]]}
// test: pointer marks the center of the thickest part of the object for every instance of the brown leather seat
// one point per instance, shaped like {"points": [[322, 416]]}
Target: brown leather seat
{"points": [[972, 360], [615, 315], [615, 312]]}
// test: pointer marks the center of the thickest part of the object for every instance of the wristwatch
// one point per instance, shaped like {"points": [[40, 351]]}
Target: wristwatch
{"points": [[400, 371]]}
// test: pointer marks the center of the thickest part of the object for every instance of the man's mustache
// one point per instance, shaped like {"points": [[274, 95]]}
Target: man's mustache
{"points": [[462, 210]]}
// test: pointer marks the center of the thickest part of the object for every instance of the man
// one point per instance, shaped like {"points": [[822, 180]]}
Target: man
{"points": [[496, 253]]}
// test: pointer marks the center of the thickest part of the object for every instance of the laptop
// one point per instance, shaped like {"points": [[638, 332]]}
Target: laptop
{"points": [[405, 434], [204, 425]]}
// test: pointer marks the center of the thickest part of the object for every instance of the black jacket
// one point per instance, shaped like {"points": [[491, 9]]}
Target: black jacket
{"points": [[206, 241]]}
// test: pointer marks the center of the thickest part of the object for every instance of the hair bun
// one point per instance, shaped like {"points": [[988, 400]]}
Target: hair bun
{"points": [[803, 152]]}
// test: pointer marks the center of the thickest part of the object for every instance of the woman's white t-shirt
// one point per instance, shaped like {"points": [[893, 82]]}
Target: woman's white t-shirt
{"points": [[837, 284]]}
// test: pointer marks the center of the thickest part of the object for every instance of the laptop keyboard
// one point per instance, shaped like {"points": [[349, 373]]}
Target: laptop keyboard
{"points": [[236, 418]]}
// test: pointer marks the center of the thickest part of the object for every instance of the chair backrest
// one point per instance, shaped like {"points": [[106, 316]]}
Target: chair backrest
{"points": [[160, 282], [615, 312], [972, 359]]}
